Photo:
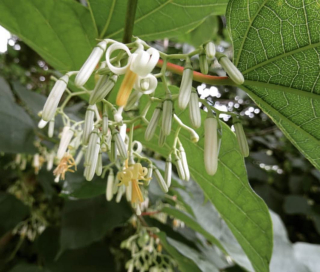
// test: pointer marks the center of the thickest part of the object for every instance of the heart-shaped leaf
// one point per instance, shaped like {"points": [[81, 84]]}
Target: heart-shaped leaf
{"points": [[277, 48]]}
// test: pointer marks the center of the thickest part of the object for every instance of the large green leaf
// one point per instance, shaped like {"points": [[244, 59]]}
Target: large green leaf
{"points": [[61, 31], [154, 19], [244, 212], [277, 48]]}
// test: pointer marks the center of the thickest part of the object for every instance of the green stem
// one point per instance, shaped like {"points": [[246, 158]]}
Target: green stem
{"points": [[130, 15]]}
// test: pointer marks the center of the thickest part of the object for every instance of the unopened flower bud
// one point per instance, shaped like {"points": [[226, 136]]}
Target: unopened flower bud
{"points": [[160, 180], [88, 124], [133, 99], [36, 162], [186, 86], [53, 100], [118, 115], [241, 137], [50, 160], [99, 164], [149, 175], [162, 139], [79, 157], [184, 162], [233, 72], [129, 192], [120, 192], [103, 87], [168, 171], [120, 144], [210, 50], [42, 123], [151, 128], [90, 64], [109, 188], [66, 137], [115, 186], [179, 166], [194, 110], [75, 143], [167, 116], [113, 151], [92, 154], [51, 128], [204, 68], [211, 144], [105, 120]]}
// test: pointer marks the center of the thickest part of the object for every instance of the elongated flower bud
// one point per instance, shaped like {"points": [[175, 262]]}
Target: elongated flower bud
{"points": [[231, 70], [79, 157], [149, 175], [211, 145], [194, 110], [113, 151], [179, 166], [90, 64], [104, 85], [66, 137], [204, 68], [120, 193], [88, 124], [168, 171], [92, 154], [241, 137], [51, 128], [109, 188], [105, 120], [129, 192], [167, 116], [186, 86], [50, 160], [120, 144], [36, 163], [160, 180], [115, 186], [133, 99], [99, 164], [184, 162], [162, 139], [151, 128], [210, 50], [53, 100]]}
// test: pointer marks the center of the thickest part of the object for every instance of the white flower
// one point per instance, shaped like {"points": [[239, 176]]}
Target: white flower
{"points": [[66, 136]]}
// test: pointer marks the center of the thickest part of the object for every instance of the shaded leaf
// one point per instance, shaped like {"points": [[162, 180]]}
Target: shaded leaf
{"points": [[12, 212], [296, 205], [5, 90]]}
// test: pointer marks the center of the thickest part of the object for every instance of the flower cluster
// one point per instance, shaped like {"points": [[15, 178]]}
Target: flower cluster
{"points": [[107, 132]]}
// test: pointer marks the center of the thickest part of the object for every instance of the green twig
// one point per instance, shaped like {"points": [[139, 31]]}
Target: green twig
{"points": [[129, 24]]}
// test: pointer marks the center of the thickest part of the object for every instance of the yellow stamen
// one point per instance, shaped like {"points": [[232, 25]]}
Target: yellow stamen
{"points": [[126, 88], [136, 192]]}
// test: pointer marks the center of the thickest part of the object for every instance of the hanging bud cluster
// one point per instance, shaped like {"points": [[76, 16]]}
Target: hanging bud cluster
{"points": [[104, 140]]}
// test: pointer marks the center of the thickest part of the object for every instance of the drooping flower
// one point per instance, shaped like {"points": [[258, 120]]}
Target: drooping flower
{"points": [[65, 165]]}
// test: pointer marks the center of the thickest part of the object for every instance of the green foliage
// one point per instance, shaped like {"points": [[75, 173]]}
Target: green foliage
{"points": [[276, 47]]}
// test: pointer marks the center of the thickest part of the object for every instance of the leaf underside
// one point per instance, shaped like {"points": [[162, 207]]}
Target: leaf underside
{"points": [[277, 48]]}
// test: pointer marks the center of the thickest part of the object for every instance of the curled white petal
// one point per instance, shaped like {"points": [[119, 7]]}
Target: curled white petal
{"points": [[145, 62], [137, 147], [110, 50]]}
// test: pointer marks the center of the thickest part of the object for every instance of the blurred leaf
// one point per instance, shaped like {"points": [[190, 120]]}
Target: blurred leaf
{"points": [[62, 32], [204, 264], [261, 156], [184, 263], [5, 90], [33, 101], [28, 268], [12, 212], [244, 212], [296, 205], [17, 128], [96, 257], [87, 221], [308, 254], [276, 46], [154, 19], [203, 33]]}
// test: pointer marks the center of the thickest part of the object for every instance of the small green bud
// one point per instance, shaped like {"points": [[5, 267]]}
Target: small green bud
{"points": [[167, 116], [204, 67], [88, 124], [233, 72], [151, 128], [194, 110], [160, 180], [210, 50], [186, 86], [211, 144], [168, 171], [241, 137]]}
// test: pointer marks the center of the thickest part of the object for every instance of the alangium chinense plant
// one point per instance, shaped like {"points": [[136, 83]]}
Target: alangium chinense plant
{"points": [[107, 130]]}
